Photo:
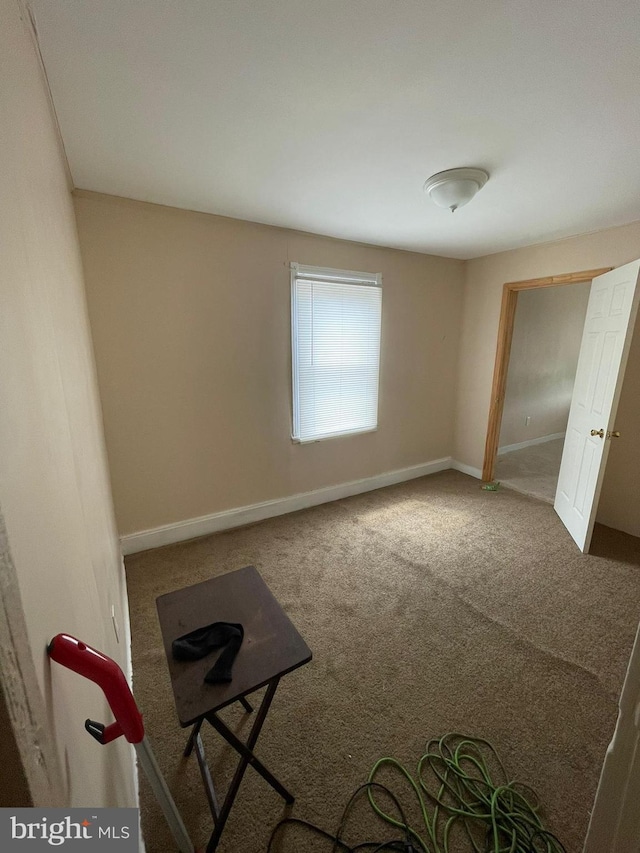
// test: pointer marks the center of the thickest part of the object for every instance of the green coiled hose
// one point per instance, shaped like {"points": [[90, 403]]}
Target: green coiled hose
{"points": [[455, 776]]}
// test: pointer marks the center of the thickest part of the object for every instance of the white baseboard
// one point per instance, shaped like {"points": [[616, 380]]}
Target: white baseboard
{"points": [[466, 469], [508, 448], [217, 521]]}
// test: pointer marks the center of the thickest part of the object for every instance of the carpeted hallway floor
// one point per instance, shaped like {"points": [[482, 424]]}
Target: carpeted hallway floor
{"points": [[430, 606], [532, 470]]}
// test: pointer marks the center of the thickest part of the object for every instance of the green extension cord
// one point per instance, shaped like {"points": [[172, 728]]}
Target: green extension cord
{"points": [[497, 816]]}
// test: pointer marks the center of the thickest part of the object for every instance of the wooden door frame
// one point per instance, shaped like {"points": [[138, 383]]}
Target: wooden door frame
{"points": [[510, 293]]}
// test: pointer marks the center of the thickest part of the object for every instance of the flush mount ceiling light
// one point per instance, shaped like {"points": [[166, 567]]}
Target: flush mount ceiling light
{"points": [[455, 187]]}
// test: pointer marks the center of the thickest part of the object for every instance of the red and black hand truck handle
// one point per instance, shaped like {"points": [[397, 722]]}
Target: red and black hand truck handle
{"points": [[105, 672]]}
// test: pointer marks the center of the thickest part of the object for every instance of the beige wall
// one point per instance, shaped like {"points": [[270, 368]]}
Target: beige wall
{"points": [[481, 311], [191, 326], [54, 488], [544, 355]]}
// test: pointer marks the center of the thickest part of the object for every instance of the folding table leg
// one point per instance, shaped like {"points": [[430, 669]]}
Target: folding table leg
{"points": [[195, 731], [207, 780], [246, 757]]}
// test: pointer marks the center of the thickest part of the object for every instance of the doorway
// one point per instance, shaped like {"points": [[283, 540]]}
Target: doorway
{"points": [[510, 293], [547, 335]]}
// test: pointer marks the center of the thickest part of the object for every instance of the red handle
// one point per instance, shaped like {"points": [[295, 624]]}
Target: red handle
{"points": [[105, 672]]}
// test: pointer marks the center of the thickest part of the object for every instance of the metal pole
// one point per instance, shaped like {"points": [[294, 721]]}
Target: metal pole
{"points": [[163, 795]]}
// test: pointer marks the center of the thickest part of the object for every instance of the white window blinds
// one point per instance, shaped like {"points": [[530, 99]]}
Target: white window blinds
{"points": [[335, 318]]}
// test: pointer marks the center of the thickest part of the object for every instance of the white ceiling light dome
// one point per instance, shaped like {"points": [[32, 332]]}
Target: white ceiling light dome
{"points": [[455, 187]]}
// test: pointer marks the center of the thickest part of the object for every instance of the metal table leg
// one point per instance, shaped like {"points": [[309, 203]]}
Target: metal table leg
{"points": [[195, 742], [195, 731], [246, 757], [246, 705], [210, 791]]}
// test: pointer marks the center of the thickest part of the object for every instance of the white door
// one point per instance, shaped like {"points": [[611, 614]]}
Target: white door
{"points": [[615, 819], [611, 313]]}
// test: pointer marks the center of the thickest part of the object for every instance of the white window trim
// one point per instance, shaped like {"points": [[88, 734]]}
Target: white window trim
{"points": [[328, 274], [302, 271]]}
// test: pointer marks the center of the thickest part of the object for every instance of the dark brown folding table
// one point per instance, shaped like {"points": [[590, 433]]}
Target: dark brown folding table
{"points": [[271, 648]]}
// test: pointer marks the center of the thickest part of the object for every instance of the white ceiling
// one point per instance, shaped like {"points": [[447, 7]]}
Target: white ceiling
{"points": [[328, 115]]}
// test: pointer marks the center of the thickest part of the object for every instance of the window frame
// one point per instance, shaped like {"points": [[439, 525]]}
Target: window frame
{"points": [[337, 276]]}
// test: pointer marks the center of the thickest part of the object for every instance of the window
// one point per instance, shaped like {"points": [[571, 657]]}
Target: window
{"points": [[335, 324]]}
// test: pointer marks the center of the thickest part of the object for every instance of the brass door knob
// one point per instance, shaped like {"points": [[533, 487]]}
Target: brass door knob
{"points": [[615, 434], [599, 432]]}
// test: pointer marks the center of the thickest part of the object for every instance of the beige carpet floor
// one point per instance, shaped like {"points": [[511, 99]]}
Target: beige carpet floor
{"points": [[430, 606], [532, 470]]}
